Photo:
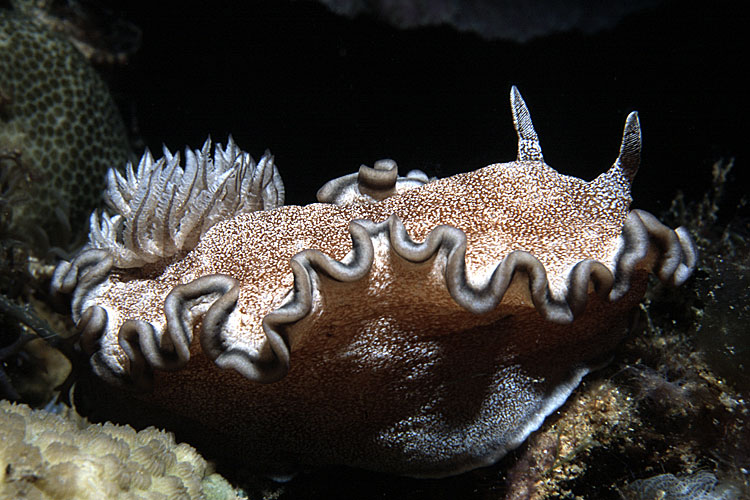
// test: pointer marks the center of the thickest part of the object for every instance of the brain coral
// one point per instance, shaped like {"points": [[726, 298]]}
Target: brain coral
{"points": [[46, 456], [58, 113], [699, 486]]}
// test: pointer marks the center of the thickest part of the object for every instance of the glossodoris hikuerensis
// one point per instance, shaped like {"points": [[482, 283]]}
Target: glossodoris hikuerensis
{"points": [[404, 324]]}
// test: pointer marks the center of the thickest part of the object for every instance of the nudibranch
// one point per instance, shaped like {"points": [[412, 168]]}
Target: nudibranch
{"points": [[410, 325]]}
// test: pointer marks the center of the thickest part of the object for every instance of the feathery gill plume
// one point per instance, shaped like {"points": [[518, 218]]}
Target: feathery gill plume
{"points": [[161, 209]]}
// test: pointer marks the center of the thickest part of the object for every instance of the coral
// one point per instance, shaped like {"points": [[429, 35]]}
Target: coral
{"points": [[97, 32], [12, 180], [49, 456], [56, 114], [699, 486]]}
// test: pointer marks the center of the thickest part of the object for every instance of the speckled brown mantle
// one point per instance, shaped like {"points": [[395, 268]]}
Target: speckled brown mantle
{"points": [[409, 326]]}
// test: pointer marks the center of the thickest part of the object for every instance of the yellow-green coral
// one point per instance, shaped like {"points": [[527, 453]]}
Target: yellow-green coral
{"points": [[49, 456], [58, 114]]}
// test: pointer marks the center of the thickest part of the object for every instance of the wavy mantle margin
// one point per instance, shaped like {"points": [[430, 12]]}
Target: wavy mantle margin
{"points": [[146, 349]]}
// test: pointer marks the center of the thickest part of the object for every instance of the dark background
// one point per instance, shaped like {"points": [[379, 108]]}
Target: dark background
{"points": [[326, 93]]}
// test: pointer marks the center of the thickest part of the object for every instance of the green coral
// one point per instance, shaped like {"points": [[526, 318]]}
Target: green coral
{"points": [[59, 120], [48, 456]]}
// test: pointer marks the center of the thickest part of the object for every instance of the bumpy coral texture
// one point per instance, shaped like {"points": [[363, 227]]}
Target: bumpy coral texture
{"points": [[48, 456], [699, 486], [58, 113]]}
